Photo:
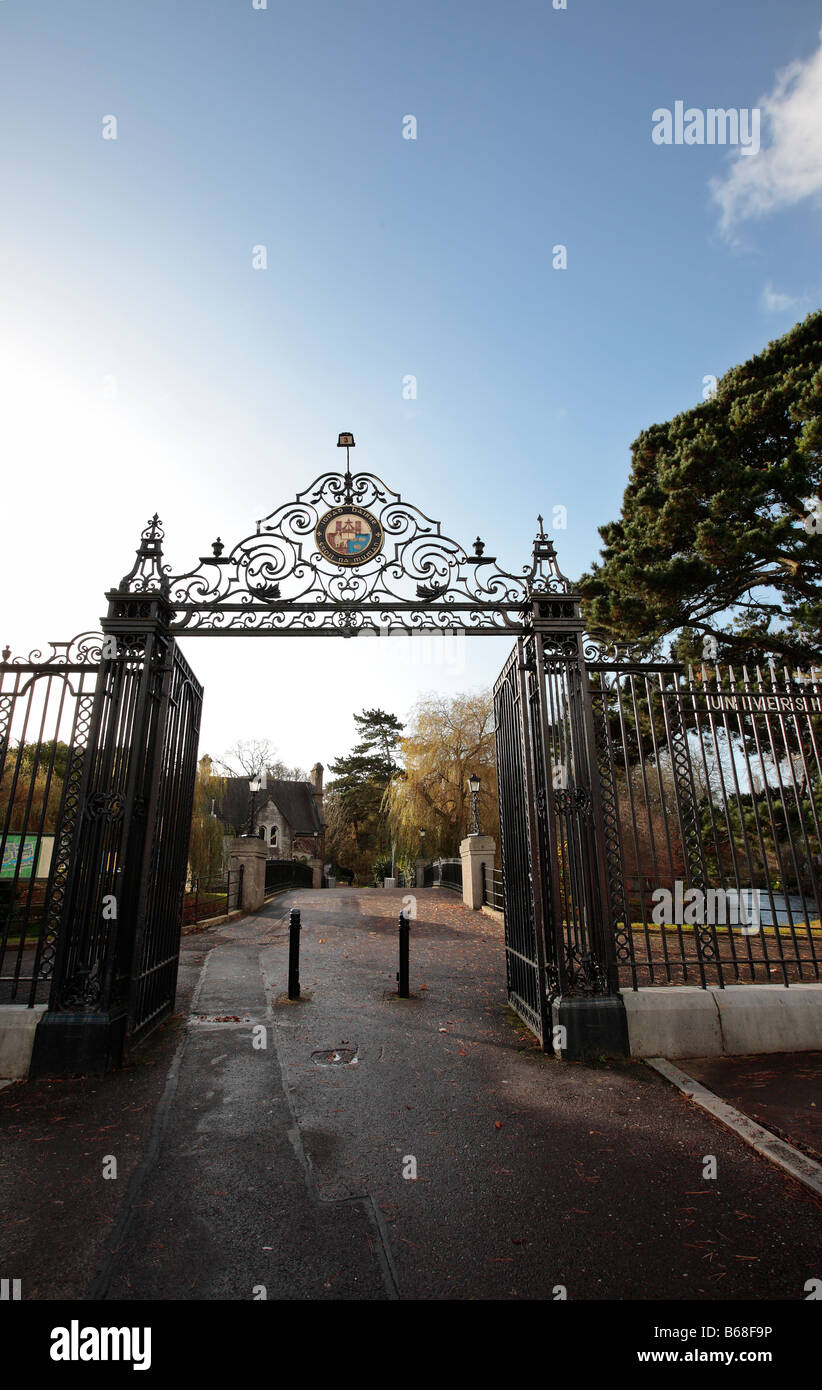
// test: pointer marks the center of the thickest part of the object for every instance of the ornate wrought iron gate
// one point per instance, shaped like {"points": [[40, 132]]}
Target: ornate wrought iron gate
{"points": [[156, 946], [522, 859], [116, 967], [614, 777], [558, 926], [662, 826]]}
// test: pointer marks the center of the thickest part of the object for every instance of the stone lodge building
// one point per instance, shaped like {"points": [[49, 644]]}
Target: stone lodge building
{"points": [[289, 814]]}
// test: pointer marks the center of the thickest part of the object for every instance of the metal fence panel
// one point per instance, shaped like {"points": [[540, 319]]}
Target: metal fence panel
{"points": [[449, 874], [45, 713], [712, 795], [492, 888], [212, 896], [286, 873]]}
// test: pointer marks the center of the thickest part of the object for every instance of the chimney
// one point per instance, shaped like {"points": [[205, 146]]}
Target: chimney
{"points": [[317, 788]]}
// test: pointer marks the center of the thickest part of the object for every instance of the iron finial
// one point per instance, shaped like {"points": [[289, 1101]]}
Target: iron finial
{"points": [[147, 574], [346, 441]]}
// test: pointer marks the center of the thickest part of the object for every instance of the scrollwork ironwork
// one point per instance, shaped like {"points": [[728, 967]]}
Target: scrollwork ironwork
{"points": [[83, 650], [598, 651], [573, 801], [586, 974], [108, 806], [276, 580]]}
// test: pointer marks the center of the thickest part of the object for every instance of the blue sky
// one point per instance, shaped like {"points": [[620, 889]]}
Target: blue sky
{"points": [[147, 366]]}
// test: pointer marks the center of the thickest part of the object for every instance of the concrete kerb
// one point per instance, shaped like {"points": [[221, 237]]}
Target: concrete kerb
{"points": [[18, 1025], [493, 912], [740, 1020], [234, 915], [194, 927], [687, 1021]]}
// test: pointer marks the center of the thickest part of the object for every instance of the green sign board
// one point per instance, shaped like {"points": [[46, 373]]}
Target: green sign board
{"points": [[22, 864]]}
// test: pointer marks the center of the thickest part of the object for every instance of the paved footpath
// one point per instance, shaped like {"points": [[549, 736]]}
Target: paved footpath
{"points": [[285, 1166]]}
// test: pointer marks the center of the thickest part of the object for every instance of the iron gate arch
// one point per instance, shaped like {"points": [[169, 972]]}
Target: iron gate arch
{"points": [[575, 724], [349, 557]]}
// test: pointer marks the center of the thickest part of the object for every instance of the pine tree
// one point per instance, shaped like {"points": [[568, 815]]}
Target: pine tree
{"points": [[361, 777], [718, 544]]}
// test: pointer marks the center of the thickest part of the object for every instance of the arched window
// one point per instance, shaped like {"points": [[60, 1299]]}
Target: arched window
{"points": [[273, 837]]}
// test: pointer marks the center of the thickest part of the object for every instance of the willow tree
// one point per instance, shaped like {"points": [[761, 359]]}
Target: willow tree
{"points": [[205, 849], [31, 787], [448, 740]]}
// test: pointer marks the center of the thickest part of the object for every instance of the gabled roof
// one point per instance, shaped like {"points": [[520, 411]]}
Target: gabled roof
{"points": [[295, 802]]}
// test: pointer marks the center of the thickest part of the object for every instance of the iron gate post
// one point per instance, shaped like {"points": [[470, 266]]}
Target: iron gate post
{"points": [[535, 821], [586, 1009]]}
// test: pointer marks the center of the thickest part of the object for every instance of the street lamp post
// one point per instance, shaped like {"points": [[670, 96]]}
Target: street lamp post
{"points": [[474, 787], [420, 880], [254, 785]]}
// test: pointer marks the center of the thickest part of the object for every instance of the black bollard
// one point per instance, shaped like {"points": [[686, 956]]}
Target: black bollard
{"points": [[405, 932], [294, 954]]}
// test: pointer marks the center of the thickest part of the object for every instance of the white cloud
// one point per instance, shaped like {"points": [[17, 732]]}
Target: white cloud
{"points": [[790, 168], [776, 302]]}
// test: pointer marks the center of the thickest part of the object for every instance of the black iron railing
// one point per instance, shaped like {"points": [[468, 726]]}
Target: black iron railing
{"points": [[447, 873], [286, 873], [711, 789], [492, 895], [213, 897], [45, 712]]}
